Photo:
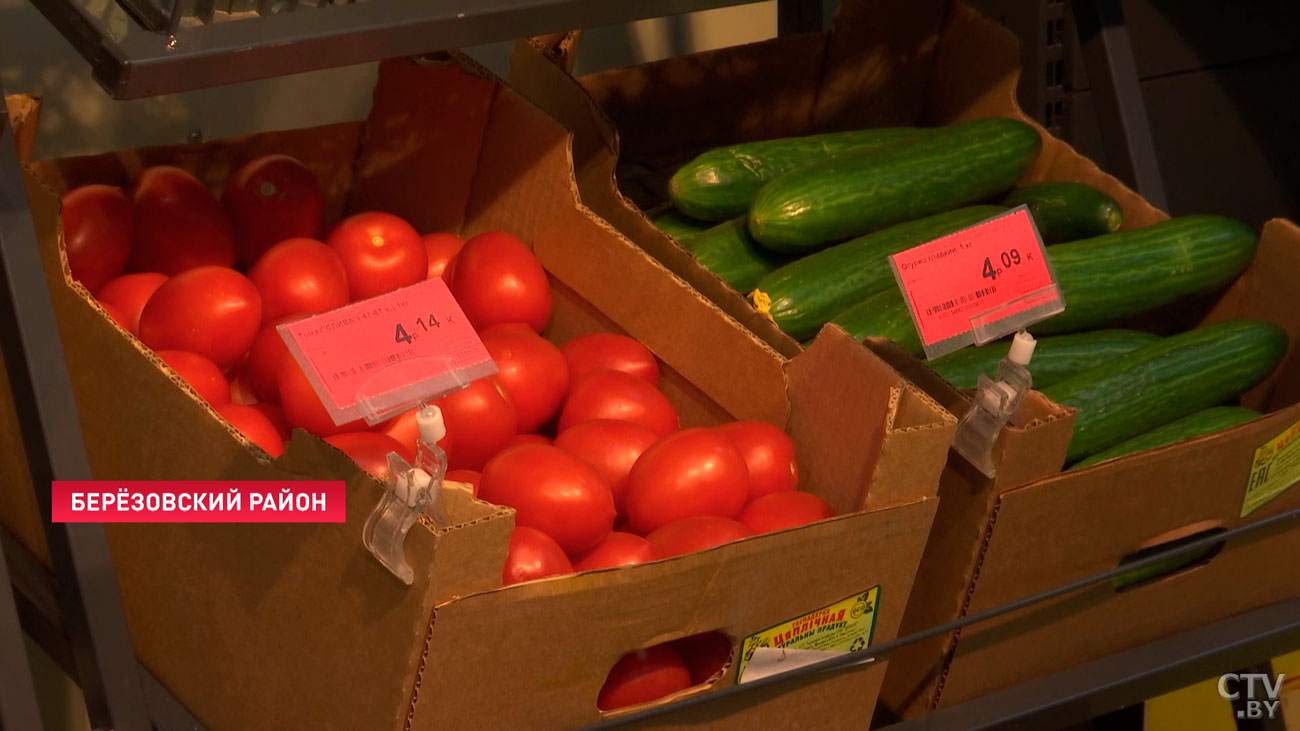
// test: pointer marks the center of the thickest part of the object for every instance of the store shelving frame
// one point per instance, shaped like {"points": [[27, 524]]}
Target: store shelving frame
{"points": [[76, 612]]}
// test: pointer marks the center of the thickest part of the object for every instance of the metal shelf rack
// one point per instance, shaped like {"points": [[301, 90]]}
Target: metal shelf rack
{"points": [[140, 48]]}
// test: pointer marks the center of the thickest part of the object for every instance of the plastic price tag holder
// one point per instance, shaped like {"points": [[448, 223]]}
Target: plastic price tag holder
{"points": [[978, 284], [376, 358], [972, 287]]}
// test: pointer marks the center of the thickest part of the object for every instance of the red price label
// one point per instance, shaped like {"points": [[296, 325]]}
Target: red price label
{"points": [[379, 356], [978, 284]]}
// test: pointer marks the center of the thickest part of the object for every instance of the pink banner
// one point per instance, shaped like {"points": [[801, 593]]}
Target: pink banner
{"points": [[108, 501]]}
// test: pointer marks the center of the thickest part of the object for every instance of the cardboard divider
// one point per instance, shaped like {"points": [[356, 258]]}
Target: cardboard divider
{"points": [[24, 110], [271, 626]]}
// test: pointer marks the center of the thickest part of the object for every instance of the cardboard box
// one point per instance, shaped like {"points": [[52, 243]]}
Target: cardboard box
{"points": [[23, 112], [1081, 523], [297, 626]]}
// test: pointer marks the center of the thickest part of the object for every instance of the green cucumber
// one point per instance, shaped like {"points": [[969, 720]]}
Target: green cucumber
{"points": [[721, 183], [1119, 275], [1065, 211], [729, 252], [860, 192], [803, 295], [679, 225], [1165, 381], [1204, 422], [1103, 279], [1056, 357]]}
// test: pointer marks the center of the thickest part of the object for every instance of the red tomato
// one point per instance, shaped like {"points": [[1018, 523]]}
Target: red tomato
{"points": [[254, 425], [271, 199], [552, 491], [644, 676], [179, 224], [480, 420], [370, 450], [212, 311], [97, 233], [781, 510], [769, 455], [518, 439], [705, 654], [441, 249], [202, 374], [696, 533], [406, 430], [380, 253], [129, 293], [469, 477], [302, 408], [531, 370], [117, 315], [611, 448], [262, 367], [299, 276], [618, 549], [607, 351], [690, 473], [498, 280], [617, 395], [275, 415], [533, 555]]}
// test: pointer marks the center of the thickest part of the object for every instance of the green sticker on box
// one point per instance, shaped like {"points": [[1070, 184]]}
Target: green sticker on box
{"points": [[845, 626], [1275, 468]]}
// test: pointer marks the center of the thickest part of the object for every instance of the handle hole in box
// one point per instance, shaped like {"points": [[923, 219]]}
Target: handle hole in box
{"points": [[667, 670], [1172, 566]]}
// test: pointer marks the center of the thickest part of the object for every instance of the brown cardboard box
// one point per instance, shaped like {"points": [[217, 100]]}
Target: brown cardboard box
{"points": [[296, 626], [23, 112], [1081, 523], [931, 62]]}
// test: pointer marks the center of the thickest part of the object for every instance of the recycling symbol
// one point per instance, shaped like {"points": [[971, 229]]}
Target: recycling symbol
{"points": [[858, 644]]}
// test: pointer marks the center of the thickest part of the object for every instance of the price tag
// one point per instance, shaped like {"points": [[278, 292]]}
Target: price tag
{"points": [[374, 358], [978, 284]]}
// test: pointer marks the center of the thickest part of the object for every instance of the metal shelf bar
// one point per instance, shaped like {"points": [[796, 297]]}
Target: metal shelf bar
{"points": [[51, 432], [18, 708]]}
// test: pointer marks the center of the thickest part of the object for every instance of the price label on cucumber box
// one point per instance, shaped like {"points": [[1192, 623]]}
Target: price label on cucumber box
{"points": [[978, 284], [374, 358]]}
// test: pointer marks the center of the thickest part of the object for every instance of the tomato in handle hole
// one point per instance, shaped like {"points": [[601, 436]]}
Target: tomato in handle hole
{"points": [[610, 447], [694, 472], [97, 233], [380, 253], [697, 533], [705, 654], [213, 311], [530, 369], [552, 491], [269, 200], [781, 510], [531, 555], [618, 549], [617, 395], [768, 453], [202, 374], [610, 351], [129, 293], [299, 276], [179, 225], [480, 420], [254, 425], [497, 280], [643, 676]]}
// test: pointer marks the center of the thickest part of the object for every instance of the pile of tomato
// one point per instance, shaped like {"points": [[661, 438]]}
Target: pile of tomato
{"points": [[578, 439]]}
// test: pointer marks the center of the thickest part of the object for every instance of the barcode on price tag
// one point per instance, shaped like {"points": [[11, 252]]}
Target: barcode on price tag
{"points": [[978, 284], [374, 358]]}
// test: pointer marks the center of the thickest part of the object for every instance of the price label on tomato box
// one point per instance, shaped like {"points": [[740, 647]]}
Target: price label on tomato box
{"points": [[978, 284], [374, 358]]}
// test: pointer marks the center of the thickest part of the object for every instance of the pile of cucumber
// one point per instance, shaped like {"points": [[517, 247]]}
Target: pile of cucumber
{"points": [[804, 226]]}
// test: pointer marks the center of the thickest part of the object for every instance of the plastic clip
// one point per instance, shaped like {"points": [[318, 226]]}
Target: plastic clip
{"points": [[411, 490], [996, 402]]}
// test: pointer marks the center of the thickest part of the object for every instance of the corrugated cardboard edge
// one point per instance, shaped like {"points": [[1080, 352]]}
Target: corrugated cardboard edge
{"points": [[24, 113]]}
